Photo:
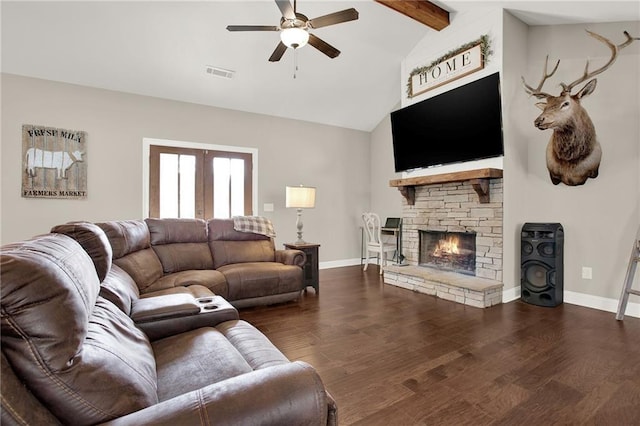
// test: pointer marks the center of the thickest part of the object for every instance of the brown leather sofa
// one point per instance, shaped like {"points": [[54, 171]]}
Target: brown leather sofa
{"points": [[200, 258], [72, 356]]}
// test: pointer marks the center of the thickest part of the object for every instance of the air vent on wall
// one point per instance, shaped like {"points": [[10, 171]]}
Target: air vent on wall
{"points": [[220, 72]]}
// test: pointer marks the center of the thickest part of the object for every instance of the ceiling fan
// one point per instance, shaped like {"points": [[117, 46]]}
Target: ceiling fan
{"points": [[294, 29]]}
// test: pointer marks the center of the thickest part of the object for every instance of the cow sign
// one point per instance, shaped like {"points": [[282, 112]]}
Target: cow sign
{"points": [[54, 163], [58, 160]]}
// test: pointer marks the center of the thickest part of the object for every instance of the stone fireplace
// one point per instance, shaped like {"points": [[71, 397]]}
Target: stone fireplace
{"points": [[452, 237]]}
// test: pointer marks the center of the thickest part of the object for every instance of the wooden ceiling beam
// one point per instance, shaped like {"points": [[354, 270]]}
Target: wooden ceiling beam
{"points": [[422, 11]]}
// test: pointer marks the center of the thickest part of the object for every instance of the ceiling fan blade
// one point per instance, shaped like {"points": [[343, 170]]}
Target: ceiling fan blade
{"points": [[277, 54], [323, 46], [334, 18], [286, 9], [252, 28]]}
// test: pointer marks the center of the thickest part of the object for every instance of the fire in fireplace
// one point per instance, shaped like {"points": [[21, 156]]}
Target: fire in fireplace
{"points": [[452, 251]]}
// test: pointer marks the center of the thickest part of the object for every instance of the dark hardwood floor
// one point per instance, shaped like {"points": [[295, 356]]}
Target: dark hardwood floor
{"points": [[390, 356]]}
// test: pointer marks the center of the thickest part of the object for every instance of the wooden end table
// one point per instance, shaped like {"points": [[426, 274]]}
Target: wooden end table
{"points": [[311, 276]]}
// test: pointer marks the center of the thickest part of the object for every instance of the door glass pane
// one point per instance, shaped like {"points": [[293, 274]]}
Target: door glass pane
{"points": [[228, 187], [237, 187], [177, 185], [187, 186], [168, 185], [221, 177]]}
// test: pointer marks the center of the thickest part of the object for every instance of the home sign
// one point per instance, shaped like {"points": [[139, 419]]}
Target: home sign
{"points": [[447, 70]]}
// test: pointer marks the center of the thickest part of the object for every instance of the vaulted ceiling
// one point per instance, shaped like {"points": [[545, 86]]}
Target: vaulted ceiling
{"points": [[163, 48]]}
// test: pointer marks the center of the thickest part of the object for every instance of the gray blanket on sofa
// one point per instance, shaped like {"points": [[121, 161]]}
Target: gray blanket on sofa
{"points": [[254, 224]]}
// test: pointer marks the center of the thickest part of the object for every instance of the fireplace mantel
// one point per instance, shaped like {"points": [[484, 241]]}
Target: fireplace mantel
{"points": [[479, 179]]}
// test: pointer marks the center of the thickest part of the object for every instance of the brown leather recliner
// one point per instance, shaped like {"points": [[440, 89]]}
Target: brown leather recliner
{"points": [[256, 273], [202, 258], [160, 313], [71, 356]]}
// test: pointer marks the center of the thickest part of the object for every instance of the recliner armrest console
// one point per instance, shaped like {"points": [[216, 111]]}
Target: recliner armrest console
{"points": [[166, 315], [163, 307]]}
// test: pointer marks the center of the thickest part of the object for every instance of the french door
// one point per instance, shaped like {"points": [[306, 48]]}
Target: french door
{"points": [[199, 183]]}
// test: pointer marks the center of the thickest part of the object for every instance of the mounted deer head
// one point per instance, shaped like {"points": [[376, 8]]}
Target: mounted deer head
{"points": [[573, 153]]}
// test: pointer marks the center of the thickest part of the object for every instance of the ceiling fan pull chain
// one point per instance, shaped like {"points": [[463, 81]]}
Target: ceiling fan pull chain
{"points": [[295, 62]]}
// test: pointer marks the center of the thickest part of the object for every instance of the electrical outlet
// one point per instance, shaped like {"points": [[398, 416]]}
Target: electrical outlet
{"points": [[268, 207], [587, 273]]}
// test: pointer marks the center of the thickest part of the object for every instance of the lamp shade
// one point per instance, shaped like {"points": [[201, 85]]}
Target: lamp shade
{"points": [[294, 37], [301, 197]]}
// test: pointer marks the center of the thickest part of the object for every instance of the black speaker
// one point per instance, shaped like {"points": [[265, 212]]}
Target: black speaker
{"points": [[542, 258]]}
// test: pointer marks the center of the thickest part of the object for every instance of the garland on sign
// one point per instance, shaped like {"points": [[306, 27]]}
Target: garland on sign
{"points": [[485, 49]]}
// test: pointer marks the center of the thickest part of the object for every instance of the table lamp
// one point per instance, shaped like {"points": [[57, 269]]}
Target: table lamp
{"points": [[300, 197]]}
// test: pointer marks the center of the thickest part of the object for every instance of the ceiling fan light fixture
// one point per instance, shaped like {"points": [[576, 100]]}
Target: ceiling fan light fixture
{"points": [[294, 37]]}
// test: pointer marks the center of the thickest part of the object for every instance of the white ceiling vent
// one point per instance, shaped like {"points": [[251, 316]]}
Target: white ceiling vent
{"points": [[220, 72]]}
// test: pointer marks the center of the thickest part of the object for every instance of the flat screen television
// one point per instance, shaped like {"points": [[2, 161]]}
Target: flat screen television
{"points": [[462, 124]]}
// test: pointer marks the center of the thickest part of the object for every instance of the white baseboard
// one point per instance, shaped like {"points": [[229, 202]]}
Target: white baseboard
{"points": [[602, 303], [581, 299], [348, 262], [339, 263], [511, 294]]}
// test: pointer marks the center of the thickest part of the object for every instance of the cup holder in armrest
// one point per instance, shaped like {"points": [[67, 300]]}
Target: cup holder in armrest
{"points": [[210, 307], [211, 304]]}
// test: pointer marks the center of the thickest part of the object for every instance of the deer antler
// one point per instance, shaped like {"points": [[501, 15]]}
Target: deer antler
{"points": [[566, 88], [545, 75]]}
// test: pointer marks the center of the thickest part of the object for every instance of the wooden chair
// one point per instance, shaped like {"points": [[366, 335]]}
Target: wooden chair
{"points": [[374, 243]]}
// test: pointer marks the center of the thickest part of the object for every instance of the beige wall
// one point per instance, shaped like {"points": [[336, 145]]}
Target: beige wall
{"points": [[516, 111], [601, 217], [385, 200], [335, 160]]}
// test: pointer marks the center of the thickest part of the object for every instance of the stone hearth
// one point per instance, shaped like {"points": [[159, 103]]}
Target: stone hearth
{"points": [[453, 204], [472, 291]]}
